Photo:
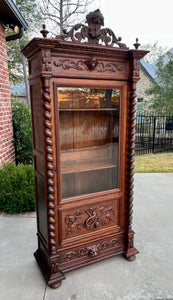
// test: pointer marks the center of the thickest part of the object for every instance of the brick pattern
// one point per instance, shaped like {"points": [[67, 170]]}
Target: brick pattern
{"points": [[7, 153]]}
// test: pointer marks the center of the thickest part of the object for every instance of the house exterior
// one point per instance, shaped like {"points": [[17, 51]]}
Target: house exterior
{"points": [[9, 14], [19, 91], [147, 75]]}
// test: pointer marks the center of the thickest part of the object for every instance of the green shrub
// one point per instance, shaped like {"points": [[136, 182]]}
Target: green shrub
{"points": [[17, 193], [22, 133]]}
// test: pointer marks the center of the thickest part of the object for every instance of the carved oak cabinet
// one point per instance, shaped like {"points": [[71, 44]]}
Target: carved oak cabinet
{"points": [[83, 119]]}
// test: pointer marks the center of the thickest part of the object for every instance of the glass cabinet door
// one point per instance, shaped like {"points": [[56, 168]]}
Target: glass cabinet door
{"points": [[89, 139]]}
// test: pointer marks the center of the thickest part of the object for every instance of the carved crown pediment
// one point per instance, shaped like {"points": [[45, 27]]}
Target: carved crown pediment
{"points": [[92, 34]]}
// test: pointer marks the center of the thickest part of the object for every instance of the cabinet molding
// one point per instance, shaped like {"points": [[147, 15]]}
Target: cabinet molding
{"points": [[83, 97]]}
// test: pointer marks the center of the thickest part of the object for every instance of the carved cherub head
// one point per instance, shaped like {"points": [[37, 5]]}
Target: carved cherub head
{"points": [[95, 17], [95, 20]]}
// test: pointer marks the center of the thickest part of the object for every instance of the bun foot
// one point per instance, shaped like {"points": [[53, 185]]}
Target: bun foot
{"points": [[131, 258], [55, 285], [130, 254]]}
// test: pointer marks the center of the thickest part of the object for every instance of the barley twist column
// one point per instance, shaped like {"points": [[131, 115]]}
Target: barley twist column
{"points": [[49, 164], [130, 250]]}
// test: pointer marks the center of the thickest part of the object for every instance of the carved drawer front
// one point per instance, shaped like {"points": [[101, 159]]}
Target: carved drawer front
{"points": [[79, 221], [90, 250], [86, 65]]}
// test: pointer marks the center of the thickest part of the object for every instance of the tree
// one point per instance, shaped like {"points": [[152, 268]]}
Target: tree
{"points": [[155, 52], [30, 11], [16, 60], [22, 133], [162, 91], [62, 14]]}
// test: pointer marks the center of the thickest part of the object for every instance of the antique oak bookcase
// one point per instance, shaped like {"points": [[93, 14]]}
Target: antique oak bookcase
{"points": [[82, 87]]}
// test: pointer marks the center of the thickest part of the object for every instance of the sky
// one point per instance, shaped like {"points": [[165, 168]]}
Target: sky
{"points": [[148, 20]]}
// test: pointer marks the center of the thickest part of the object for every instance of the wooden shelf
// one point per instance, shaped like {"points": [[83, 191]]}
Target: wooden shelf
{"points": [[73, 167], [88, 109]]}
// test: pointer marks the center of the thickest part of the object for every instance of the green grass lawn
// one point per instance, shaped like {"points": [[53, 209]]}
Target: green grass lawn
{"points": [[154, 163]]}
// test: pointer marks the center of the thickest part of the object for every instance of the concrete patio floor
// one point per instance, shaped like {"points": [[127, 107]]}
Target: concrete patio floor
{"points": [[150, 276]]}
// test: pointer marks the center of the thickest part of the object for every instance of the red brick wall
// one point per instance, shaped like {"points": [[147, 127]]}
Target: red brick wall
{"points": [[6, 129]]}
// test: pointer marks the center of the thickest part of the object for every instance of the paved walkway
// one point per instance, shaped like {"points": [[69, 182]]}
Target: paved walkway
{"points": [[150, 276]]}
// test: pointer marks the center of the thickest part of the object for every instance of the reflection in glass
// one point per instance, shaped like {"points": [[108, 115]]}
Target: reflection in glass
{"points": [[89, 134]]}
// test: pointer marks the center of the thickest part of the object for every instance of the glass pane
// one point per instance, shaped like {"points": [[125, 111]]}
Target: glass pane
{"points": [[89, 135]]}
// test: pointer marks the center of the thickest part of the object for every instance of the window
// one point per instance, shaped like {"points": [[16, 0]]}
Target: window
{"points": [[89, 138]]}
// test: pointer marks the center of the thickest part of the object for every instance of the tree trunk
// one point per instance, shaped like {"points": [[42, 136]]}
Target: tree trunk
{"points": [[61, 16], [25, 79]]}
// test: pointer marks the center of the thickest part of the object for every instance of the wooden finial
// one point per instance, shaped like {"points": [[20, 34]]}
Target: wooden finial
{"points": [[136, 44], [44, 32]]}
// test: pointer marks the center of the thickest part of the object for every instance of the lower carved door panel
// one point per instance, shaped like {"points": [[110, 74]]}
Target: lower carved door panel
{"points": [[87, 220]]}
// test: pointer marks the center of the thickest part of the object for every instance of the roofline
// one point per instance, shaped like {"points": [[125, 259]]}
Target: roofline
{"points": [[4, 25], [16, 13], [144, 69]]}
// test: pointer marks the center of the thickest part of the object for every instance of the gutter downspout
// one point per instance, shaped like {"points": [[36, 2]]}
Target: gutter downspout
{"points": [[15, 36]]}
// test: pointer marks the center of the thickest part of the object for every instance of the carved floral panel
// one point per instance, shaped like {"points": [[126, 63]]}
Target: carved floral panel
{"points": [[91, 64], [90, 218]]}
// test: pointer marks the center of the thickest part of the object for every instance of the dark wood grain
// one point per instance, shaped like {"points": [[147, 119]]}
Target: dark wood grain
{"points": [[83, 149]]}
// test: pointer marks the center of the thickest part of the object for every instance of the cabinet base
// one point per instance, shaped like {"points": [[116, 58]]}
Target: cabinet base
{"points": [[130, 254], [53, 267], [54, 280], [55, 285]]}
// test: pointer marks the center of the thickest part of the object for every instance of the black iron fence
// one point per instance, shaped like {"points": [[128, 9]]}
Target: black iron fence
{"points": [[154, 133]]}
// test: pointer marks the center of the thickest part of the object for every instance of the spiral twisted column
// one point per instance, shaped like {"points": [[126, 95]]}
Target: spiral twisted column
{"points": [[131, 153], [130, 250], [49, 164]]}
